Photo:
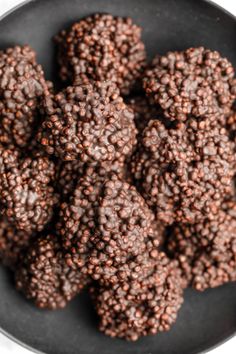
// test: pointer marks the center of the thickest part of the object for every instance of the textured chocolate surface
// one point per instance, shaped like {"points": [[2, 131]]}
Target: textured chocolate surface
{"points": [[95, 187], [27, 192], [206, 251], [184, 172], [195, 82], [12, 243], [103, 48], [22, 86], [143, 306], [45, 277], [89, 122]]}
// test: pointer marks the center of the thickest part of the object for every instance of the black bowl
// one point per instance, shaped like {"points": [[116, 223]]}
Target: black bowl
{"points": [[206, 319]]}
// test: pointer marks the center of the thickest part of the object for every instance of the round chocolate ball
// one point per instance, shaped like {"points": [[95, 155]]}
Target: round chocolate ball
{"points": [[22, 86], [90, 123], [185, 171], [27, 192], [141, 307], [194, 82], [102, 48], [44, 276]]}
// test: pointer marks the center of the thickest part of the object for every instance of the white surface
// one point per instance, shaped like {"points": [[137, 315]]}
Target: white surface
{"points": [[9, 347]]}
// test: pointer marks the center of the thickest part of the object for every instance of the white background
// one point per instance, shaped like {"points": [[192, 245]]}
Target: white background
{"points": [[9, 347]]}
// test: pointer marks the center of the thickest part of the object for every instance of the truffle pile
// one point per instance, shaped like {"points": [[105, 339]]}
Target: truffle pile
{"points": [[184, 164], [123, 182]]}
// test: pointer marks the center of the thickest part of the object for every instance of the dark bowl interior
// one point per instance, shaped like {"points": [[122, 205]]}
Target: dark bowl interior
{"points": [[205, 319]]}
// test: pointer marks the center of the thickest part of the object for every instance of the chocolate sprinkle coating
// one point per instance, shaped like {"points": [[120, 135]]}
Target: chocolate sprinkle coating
{"points": [[27, 193], [102, 48], [195, 82], [44, 276], [206, 251], [22, 85], [12, 243], [78, 215], [90, 123], [143, 306], [106, 228], [184, 172]]}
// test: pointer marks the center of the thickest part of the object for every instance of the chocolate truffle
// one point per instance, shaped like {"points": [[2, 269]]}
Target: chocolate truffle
{"points": [[184, 172], [143, 306], [206, 251], [27, 193], [124, 242], [44, 276], [22, 85], [106, 228], [102, 48], [195, 82], [90, 123]]}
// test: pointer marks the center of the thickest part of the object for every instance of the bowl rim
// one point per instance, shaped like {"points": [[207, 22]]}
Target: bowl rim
{"points": [[8, 335]]}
